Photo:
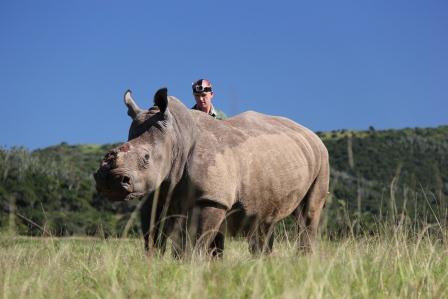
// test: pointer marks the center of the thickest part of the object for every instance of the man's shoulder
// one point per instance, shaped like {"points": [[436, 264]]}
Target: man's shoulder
{"points": [[216, 113], [219, 114]]}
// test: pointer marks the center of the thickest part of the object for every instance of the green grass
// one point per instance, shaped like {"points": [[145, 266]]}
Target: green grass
{"points": [[392, 265]]}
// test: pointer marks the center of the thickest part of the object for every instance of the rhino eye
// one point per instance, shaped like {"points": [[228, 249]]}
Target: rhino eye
{"points": [[143, 161]]}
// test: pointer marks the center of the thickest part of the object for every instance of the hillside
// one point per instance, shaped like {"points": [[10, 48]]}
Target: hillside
{"points": [[390, 175]]}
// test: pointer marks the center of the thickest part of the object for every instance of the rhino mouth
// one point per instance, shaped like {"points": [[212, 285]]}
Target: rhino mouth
{"points": [[120, 196], [133, 195]]}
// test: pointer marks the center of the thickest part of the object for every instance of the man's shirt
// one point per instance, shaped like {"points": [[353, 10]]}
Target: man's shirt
{"points": [[216, 113]]}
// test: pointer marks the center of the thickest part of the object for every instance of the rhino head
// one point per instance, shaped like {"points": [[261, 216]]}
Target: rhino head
{"points": [[139, 166]]}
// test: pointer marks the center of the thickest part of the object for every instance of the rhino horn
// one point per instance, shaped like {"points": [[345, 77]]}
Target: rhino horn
{"points": [[133, 108], [161, 99]]}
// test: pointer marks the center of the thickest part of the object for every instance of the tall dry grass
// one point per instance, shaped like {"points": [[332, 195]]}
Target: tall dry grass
{"points": [[396, 263]]}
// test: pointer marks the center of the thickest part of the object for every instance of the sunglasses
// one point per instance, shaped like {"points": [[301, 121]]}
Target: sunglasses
{"points": [[200, 88]]}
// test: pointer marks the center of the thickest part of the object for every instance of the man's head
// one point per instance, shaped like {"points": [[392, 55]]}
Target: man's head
{"points": [[203, 94]]}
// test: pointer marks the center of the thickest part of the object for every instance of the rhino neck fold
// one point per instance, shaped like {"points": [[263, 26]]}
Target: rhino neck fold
{"points": [[184, 134]]}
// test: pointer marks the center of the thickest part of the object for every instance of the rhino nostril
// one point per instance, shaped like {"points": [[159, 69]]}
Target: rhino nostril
{"points": [[126, 180], [126, 183]]}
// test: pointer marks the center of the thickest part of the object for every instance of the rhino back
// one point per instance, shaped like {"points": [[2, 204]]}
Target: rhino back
{"points": [[265, 163]]}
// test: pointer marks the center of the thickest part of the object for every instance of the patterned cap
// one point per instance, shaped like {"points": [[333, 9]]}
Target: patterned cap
{"points": [[202, 85]]}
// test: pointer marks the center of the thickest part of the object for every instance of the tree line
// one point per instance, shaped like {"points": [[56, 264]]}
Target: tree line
{"points": [[377, 176]]}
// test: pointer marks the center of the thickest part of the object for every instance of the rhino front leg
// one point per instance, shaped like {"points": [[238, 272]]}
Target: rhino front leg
{"points": [[216, 248], [261, 239], [155, 238], [209, 238], [179, 238]]}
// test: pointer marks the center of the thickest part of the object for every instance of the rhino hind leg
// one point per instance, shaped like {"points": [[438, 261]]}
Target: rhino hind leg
{"points": [[308, 212]]}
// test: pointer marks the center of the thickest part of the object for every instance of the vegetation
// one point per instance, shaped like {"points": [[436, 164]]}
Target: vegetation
{"points": [[395, 263], [384, 230], [376, 176]]}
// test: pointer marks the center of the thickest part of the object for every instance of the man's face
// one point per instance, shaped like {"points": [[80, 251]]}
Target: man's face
{"points": [[203, 101]]}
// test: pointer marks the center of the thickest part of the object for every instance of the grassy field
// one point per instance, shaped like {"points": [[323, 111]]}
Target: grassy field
{"points": [[397, 264]]}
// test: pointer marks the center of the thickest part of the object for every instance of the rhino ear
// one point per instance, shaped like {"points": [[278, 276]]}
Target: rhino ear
{"points": [[133, 108], [161, 99]]}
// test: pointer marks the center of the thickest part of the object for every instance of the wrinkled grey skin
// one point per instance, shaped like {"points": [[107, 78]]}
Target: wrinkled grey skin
{"points": [[203, 178]]}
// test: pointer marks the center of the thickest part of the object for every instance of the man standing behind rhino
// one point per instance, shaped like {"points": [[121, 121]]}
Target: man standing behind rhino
{"points": [[203, 94]]}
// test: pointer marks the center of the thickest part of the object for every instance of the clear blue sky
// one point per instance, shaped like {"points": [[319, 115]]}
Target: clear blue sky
{"points": [[64, 65]]}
